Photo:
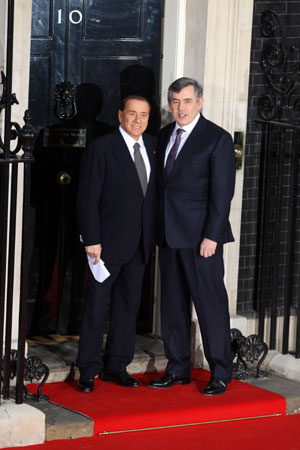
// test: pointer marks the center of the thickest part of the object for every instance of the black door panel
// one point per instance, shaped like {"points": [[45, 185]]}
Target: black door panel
{"points": [[91, 41]]}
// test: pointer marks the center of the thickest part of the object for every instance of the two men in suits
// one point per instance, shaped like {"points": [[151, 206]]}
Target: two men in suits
{"points": [[196, 177], [116, 218]]}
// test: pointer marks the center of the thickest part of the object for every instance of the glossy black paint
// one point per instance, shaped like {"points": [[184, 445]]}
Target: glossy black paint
{"points": [[86, 41], [109, 49]]}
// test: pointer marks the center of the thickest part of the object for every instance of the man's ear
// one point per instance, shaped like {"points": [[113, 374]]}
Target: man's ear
{"points": [[120, 113], [200, 103]]}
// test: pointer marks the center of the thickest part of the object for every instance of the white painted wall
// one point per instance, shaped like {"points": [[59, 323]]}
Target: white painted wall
{"points": [[173, 50], [195, 39], [226, 75], [2, 34]]}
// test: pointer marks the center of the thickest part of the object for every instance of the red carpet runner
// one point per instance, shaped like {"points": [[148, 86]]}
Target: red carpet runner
{"points": [[115, 408], [272, 433]]}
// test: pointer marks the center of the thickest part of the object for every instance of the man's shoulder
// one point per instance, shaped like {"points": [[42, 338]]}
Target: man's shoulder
{"points": [[149, 139], [212, 127], [101, 146], [166, 129], [106, 138]]}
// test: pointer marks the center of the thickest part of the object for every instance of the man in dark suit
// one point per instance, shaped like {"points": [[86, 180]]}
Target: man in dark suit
{"points": [[116, 215], [196, 176]]}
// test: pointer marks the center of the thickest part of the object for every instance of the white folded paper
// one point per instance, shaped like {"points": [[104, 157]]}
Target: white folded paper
{"points": [[99, 270]]}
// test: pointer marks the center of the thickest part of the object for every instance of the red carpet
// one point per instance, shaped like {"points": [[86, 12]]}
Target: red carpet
{"points": [[272, 433], [114, 408]]}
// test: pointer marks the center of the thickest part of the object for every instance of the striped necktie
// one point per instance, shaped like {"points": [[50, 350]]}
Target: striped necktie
{"points": [[173, 152]]}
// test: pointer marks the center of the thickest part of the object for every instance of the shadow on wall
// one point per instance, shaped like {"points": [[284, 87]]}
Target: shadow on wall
{"points": [[166, 117], [58, 263]]}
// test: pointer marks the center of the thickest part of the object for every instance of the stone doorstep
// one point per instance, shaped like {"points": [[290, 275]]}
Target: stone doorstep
{"points": [[62, 423], [282, 386], [56, 422], [65, 424], [21, 425], [61, 357]]}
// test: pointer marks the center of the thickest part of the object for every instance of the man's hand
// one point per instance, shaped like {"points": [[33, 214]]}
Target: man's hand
{"points": [[94, 251], [207, 248]]}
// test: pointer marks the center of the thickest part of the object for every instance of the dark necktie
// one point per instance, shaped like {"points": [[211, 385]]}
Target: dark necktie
{"points": [[140, 167], [173, 152]]}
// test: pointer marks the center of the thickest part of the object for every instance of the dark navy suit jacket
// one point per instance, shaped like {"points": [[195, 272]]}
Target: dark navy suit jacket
{"points": [[112, 210], [195, 201]]}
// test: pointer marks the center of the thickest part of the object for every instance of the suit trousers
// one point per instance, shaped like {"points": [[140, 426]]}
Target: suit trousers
{"points": [[185, 275], [123, 289]]}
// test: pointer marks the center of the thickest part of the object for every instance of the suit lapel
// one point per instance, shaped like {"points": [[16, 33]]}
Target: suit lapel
{"points": [[150, 149], [189, 146], [126, 163], [162, 152]]}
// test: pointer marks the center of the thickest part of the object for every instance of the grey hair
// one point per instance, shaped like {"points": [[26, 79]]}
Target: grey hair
{"points": [[183, 82]]}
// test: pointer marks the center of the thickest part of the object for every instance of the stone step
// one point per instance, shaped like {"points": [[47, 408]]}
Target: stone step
{"points": [[59, 353]]}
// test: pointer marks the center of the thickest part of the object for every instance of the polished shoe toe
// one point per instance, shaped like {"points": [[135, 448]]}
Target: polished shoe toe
{"points": [[168, 380], [216, 386], [120, 378], [85, 383]]}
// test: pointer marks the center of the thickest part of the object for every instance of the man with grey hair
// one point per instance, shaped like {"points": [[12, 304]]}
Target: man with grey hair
{"points": [[196, 176]]}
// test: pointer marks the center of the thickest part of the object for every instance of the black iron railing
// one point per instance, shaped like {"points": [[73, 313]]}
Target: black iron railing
{"points": [[278, 293], [10, 161]]}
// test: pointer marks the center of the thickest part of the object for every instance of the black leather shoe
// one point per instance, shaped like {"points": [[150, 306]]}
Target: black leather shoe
{"points": [[216, 386], [85, 383], [120, 378], [168, 380]]}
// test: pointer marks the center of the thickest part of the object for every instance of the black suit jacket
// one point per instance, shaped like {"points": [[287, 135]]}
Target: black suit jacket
{"points": [[112, 210], [195, 201]]}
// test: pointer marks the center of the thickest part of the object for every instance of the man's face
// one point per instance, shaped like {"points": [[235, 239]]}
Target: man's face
{"points": [[134, 117], [184, 105]]}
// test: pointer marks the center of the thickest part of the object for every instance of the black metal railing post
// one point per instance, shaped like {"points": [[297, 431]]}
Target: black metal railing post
{"points": [[291, 233], [27, 138], [4, 173], [266, 215], [10, 277]]}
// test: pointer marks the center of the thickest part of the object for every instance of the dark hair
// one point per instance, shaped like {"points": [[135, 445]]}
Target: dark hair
{"points": [[183, 82], [133, 97]]}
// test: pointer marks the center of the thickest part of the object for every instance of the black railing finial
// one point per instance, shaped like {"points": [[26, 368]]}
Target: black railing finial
{"points": [[27, 135]]}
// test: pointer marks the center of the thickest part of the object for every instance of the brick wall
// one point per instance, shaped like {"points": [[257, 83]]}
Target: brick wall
{"points": [[288, 13]]}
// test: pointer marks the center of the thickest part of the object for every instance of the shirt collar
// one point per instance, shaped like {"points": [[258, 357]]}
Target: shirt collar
{"points": [[189, 127], [129, 140]]}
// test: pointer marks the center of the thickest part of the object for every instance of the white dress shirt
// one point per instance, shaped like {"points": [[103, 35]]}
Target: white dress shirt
{"points": [[130, 143], [184, 136]]}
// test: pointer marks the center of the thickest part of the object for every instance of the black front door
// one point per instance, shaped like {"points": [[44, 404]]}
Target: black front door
{"points": [[109, 49], [114, 44]]}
